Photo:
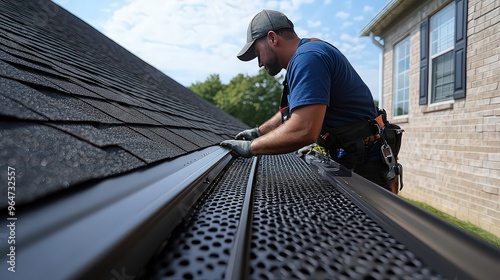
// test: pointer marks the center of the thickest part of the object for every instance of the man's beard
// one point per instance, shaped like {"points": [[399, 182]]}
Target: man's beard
{"points": [[273, 66]]}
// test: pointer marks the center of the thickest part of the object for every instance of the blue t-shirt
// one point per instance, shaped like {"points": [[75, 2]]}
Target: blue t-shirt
{"points": [[318, 73]]}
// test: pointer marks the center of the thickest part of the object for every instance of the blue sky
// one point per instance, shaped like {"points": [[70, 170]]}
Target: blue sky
{"points": [[190, 39]]}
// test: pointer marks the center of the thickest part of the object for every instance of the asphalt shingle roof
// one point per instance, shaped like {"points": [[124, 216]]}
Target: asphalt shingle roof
{"points": [[75, 106]]}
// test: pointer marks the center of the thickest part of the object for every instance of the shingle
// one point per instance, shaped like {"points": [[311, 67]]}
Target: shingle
{"points": [[132, 140], [168, 143], [104, 93], [27, 61], [93, 108], [9, 71], [47, 160], [72, 87], [52, 105], [173, 136], [163, 118], [65, 69], [121, 113], [192, 137], [210, 136], [14, 109]]}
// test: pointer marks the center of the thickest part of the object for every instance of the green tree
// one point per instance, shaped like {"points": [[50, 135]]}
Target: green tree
{"points": [[266, 97], [231, 98], [251, 99], [209, 88]]}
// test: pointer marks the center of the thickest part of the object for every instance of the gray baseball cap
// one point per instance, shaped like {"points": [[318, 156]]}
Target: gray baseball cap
{"points": [[261, 24]]}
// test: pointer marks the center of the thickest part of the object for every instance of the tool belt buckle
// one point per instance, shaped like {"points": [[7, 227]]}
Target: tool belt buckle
{"points": [[387, 154], [389, 160]]}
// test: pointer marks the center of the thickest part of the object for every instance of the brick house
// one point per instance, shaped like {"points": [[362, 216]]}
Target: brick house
{"points": [[440, 82]]}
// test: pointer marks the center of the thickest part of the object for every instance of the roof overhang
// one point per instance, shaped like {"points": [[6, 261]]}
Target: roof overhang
{"points": [[385, 17], [87, 232]]}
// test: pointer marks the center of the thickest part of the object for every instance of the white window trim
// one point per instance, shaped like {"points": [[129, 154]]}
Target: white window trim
{"points": [[431, 58], [395, 77]]}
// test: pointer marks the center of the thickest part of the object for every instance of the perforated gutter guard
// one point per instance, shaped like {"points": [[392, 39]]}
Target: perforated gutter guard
{"points": [[450, 250], [237, 268], [304, 227], [111, 229]]}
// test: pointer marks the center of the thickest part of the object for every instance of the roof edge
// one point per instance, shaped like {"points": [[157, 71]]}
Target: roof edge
{"points": [[382, 13], [114, 227]]}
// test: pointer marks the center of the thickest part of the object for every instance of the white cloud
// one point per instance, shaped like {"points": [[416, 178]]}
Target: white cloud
{"points": [[350, 39], [342, 15], [289, 7], [187, 37], [346, 24], [311, 23], [189, 40], [367, 9]]}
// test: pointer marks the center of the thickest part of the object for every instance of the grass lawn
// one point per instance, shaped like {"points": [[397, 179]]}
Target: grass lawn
{"points": [[482, 234]]}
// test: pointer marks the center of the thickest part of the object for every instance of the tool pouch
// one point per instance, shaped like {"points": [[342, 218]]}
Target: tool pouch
{"points": [[392, 136], [391, 133]]}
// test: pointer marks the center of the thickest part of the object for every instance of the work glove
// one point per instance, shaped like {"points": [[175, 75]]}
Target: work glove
{"points": [[248, 134], [240, 147]]}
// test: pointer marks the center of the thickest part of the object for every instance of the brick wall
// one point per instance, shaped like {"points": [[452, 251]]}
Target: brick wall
{"points": [[451, 152]]}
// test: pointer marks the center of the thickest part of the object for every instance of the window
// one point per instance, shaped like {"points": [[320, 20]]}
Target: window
{"points": [[442, 43], [402, 78], [443, 40]]}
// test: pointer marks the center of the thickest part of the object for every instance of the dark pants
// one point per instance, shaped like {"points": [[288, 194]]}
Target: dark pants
{"points": [[374, 171], [371, 165]]}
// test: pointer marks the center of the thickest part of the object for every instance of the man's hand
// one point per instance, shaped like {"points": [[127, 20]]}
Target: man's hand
{"points": [[240, 147], [248, 134]]}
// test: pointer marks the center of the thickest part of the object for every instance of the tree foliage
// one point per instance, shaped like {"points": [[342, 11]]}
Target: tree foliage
{"points": [[209, 88], [251, 99]]}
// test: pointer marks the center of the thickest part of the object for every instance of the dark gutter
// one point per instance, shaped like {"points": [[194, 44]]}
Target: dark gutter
{"points": [[111, 229], [448, 249]]}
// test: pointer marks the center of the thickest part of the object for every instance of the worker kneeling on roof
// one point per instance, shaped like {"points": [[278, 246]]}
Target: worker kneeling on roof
{"points": [[324, 100]]}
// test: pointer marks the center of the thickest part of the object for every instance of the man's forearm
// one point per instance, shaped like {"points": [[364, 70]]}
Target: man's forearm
{"points": [[271, 124], [300, 130], [278, 141]]}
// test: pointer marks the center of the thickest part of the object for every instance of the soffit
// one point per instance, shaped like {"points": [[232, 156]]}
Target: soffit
{"points": [[387, 16]]}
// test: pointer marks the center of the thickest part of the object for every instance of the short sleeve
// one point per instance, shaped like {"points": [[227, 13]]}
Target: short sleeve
{"points": [[309, 78]]}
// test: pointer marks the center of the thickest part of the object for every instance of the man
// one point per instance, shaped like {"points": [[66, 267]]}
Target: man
{"points": [[326, 96]]}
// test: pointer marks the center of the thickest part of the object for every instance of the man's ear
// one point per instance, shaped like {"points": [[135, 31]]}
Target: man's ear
{"points": [[272, 37]]}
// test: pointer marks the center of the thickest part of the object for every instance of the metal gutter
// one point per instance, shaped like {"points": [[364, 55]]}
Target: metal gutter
{"points": [[388, 15], [111, 229], [448, 249], [239, 259], [368, 28], [380, 46]]}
